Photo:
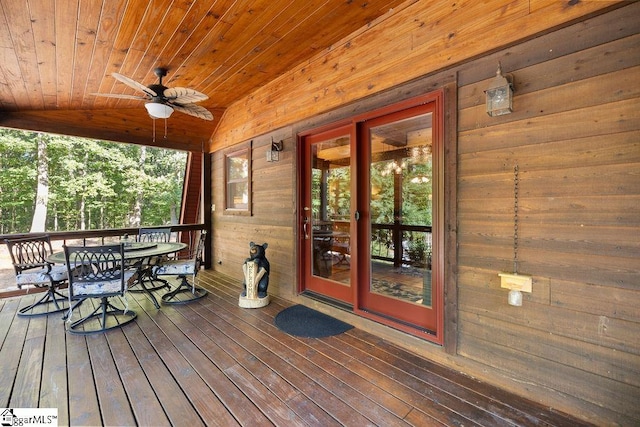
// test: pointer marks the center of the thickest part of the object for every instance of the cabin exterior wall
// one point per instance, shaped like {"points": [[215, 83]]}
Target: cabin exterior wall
{"points": [[575, 136]]}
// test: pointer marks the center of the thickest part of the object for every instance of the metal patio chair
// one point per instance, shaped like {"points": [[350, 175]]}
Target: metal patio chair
{"points": [[98, 272], [29, 257], [147, 282], [185, 292]]}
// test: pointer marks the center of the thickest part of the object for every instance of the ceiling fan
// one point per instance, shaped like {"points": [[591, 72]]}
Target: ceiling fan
{"points": [[161, 100]]}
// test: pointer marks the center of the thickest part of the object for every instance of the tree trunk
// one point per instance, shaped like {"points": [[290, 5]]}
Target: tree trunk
{"points": [[174, 214], [136, 217], [39, 220], [83, 199]]}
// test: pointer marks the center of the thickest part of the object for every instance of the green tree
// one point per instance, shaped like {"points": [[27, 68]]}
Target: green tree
{"points": [[18, 157], [92, 184]]}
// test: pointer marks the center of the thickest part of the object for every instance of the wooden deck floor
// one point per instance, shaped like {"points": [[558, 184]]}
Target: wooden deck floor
{"points": [[213, 363]]}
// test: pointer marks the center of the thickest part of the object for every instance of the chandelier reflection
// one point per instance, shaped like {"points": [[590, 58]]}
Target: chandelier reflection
{"points": [[393, 167], [420, 179], [412, 155]]}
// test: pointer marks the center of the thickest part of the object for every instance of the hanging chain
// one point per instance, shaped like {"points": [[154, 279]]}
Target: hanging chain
{"points": [[515, 219]]}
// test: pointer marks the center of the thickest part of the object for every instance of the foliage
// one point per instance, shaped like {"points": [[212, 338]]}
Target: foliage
{"points": [[416, 193], [92, 184]]}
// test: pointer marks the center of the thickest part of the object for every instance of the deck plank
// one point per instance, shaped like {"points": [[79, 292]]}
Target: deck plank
{"points": [[182, 372], [83, 406], [175, 349], [26, 388], [354, 406], [112, 397], [264, 389], [15, 331], [173, 401], [296, 368], [234, 400], [211, 362], [54, 370], [259, 365], [436, 413]]}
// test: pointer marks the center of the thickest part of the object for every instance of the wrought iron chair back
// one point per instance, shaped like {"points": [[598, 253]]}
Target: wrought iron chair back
{"points": [[95, 267], [98, 272], [29, 252], [154, 234], [29, 257]]}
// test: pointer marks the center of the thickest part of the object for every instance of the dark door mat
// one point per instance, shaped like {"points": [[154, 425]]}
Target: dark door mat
{"points": [[303, 321]]}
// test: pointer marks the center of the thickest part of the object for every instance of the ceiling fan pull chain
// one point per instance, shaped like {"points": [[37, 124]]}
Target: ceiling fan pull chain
{"points": [[165, 128], [154, 129]]}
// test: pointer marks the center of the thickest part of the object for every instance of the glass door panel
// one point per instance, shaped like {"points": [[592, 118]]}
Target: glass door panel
{"points": [[400, 223], [327, 214]]}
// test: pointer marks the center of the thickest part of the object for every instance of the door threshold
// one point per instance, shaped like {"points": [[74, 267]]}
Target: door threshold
{"points": [[328, 300]]}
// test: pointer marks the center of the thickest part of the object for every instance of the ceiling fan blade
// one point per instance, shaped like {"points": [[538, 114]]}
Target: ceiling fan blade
{"points": [[133, 84], [193, 110], [121, 96], [183, 95]]}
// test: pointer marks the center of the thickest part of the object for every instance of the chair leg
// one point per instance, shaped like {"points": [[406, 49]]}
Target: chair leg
{"points": [[145, 275], [59, 301], [70, 310], [99, 316], [190, 293]]}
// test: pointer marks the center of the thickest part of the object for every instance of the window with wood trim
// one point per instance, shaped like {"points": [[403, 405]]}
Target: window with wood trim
{"points": [[237, 177]]}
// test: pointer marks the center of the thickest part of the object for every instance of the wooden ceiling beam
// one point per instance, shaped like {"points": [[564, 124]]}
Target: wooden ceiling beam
{"points": [[131, 126]]}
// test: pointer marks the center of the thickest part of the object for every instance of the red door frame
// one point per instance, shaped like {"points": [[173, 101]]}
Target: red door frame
{"points": [[360, 209], [309, 282]]}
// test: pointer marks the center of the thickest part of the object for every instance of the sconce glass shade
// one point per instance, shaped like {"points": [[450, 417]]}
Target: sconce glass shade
{"points": [[499, 96], [158, 111], [515, 298]]}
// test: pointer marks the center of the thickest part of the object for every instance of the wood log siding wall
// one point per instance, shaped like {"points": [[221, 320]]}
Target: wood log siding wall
{"points": [[271, 221], [575, 134]]}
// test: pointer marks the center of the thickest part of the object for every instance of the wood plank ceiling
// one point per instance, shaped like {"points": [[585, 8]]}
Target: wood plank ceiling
{"points": [[55, 53]]}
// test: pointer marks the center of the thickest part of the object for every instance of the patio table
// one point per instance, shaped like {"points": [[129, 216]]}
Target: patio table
{"points": [[136, 251]]}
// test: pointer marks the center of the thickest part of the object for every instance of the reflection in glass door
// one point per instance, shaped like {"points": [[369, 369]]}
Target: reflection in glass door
{"points": [[327, 214], [400, 221]]}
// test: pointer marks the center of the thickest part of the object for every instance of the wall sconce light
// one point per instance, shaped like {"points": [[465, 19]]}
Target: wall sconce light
{"points": [[517, 284], [499, 95], [273, 154]]}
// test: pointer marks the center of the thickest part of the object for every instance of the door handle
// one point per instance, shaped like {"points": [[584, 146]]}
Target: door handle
{"points": [[305, 228]]}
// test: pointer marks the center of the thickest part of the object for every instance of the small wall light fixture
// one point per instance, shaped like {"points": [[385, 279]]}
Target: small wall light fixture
{"points": [[499, 95], [517, 284], [273, 154]]}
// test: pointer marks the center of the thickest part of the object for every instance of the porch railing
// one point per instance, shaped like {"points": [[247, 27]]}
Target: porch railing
{"points": [[95, 237], [99, 236], [402, 244]]}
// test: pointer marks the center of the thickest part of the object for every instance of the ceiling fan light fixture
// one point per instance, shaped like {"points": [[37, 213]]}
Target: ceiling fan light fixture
{"points": [[158, 111]]}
